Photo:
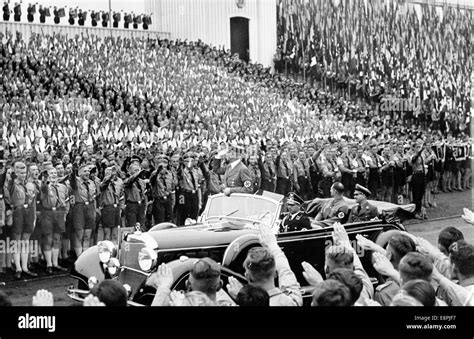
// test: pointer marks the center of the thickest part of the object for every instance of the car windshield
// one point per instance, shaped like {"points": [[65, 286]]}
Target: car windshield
{"points": [[246, 207]]}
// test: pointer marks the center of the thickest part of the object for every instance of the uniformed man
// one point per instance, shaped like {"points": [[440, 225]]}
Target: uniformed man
{"points": [[237, 177], [214, 181], [346, 168], [188, 193], [255, 173], [135, 198], [55, 205], [84, 191], [295, 220], [335, 209], [268, 172], [284, 172], [418, 179], [33, 177], [21, 196], [387, 174], [161, 181], [110, 203], [363, 211], [375, 164], [301, 176], [314, 170], [174, 168], [362, 168]]}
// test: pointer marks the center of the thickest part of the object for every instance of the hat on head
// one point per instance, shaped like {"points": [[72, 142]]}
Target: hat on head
{"points": [[205, 268], [294, 199], [362, 190]]}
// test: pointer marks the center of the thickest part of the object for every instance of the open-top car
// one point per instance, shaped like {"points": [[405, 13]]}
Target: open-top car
{"points": [[226, 230]]}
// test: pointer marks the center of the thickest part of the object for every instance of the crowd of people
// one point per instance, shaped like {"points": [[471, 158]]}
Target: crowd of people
{"points": [[371, 49], [101, 133], [413, 273]]}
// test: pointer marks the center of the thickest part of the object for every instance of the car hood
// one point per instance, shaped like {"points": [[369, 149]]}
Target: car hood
{"points": [[198, 236]]}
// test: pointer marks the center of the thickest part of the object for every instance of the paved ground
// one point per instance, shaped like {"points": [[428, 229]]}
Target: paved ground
{"points": [[448, 214]]}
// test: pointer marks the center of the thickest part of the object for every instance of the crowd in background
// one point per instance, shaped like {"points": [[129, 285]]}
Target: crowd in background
{"points": [[151, 116], [372, 49]]}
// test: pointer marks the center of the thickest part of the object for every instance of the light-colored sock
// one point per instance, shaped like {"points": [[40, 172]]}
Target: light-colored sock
{"points": [[24, 261], [16, 259], [55, 257], [47, 257], [78, 251]]}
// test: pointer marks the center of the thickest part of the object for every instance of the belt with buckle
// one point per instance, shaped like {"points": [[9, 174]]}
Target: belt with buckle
{"points": [[134, 202], [83, 202], [190, 191], [54, 209], [114, 205]]}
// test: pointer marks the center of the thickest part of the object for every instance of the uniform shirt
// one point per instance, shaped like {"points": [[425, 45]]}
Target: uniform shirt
{"points": [[214, 182], [189, 179], [335, 210], [363, 212], [162, 185], [295, 222], [134, 189], [19, 194], [301, 169], [110, 192], [268, 171], [54, 195], [238, 179], [283, 170], [85, 190], [256, 176]]}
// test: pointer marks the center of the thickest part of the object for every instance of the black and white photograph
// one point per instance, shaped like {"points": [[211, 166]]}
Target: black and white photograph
{"points": [[308, 160]]}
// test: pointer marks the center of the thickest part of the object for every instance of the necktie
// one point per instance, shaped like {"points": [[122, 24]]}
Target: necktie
{"points": [[358, 209], [54, 186], [86, 185], [163, 181], [192, 179], [114, 191]]}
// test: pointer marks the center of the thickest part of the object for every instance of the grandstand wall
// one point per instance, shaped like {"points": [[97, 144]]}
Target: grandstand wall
{"points": [[209, 20], [26, 28]]}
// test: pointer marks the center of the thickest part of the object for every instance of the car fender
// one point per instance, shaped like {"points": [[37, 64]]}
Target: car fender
{"points": [[88, 264], [237, 246]]}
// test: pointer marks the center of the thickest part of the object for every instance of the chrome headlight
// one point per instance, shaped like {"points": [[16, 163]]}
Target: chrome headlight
{"points": [[106, 251], [147, 258], [113, 267]]}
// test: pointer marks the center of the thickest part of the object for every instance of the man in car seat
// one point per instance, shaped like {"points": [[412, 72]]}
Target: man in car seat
{"points": [[295, 220]]}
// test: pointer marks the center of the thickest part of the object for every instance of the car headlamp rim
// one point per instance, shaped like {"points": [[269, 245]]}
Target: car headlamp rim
{"points": [[113, 267], [106, 250], [147, 258]]}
